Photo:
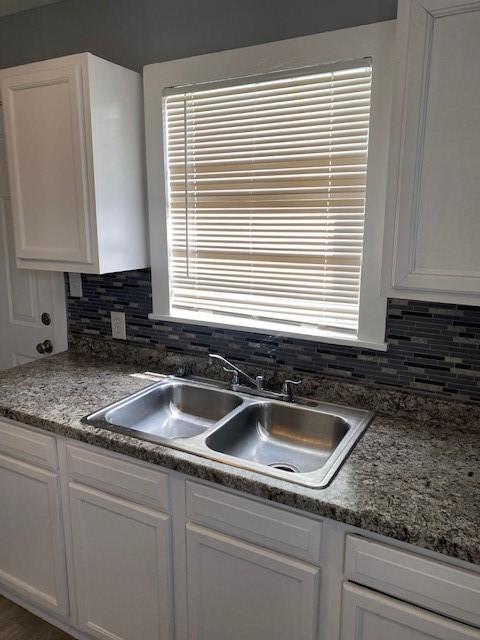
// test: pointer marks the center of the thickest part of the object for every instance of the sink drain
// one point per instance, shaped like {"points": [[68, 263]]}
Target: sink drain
{"points": [[283, 466]]}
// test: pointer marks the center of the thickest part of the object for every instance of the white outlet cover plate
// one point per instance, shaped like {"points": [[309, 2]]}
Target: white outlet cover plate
{"points": [[75, 285], [119, 329]]}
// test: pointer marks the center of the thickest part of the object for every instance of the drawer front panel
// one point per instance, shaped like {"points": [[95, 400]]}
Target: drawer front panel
{"points": [[367, 615], [434, 585], [268, 526], [36, 448], [118, 477]]}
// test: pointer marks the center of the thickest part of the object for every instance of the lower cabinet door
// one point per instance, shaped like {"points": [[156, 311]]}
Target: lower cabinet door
{"points": [[32, 549], [238, 591], [121, 562], [367, 615]]}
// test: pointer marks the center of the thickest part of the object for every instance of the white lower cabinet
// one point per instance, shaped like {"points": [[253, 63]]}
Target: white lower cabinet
{"points": [[32, 550], [367, 615], [237, 590], [121, 565], [146, 547]]}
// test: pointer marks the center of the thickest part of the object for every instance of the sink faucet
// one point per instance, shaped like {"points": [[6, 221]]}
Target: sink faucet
{"points": [[258, 383]]}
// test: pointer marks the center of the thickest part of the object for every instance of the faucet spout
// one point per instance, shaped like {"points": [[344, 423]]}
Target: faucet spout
{"points": [[234, 369]]}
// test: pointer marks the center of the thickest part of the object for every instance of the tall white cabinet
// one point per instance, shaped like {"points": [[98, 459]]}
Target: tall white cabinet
{"points": [[74, 137], [433, 221]]}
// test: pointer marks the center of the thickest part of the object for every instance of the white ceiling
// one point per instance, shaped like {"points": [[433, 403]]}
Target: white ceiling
{"points": [[14, 6]]}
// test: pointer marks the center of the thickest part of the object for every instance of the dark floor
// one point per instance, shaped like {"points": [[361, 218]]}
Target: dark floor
{"points": [[18, 624]]}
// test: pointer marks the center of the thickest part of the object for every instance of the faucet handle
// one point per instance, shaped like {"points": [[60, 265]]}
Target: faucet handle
{"points": [[287, 390], [235, 377], [288, 382]]}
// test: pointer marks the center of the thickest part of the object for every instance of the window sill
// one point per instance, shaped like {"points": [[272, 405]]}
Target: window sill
{"points": [[252, 326]]}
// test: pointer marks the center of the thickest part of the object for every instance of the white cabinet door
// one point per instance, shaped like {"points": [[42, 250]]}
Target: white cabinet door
{"points": [[237, 591], [47, 161], [74, 140], [367, 615], [434, 226], [32, 550], [121, 562]]}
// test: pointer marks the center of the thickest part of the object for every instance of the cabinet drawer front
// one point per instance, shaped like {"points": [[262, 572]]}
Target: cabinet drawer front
{"points": [[36, 448], [428, 583], [267, 526], [118, 477], [367, 615]]}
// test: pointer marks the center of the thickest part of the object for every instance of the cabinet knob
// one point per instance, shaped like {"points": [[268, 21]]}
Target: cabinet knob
{"points": [[45, 347]]}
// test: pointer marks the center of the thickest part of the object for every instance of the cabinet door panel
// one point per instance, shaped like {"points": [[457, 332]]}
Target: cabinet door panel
{"points": [[32, 550], [367, 615], [434, 166], [237, 590], [46, 148], [121, 557], [449, 190]]}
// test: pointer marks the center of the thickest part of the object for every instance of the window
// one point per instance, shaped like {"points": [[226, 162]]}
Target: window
{"points": [[267, 187], [266, 206]]}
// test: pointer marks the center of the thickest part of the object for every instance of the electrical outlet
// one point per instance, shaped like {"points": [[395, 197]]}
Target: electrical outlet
{"points": [[75, 285], [119, 330]]}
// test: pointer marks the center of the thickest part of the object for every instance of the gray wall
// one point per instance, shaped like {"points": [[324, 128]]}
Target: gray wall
{"points": [[137, 32]]}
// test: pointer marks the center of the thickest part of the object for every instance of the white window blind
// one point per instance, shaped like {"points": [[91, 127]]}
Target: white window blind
{"points": [[266, 199]]}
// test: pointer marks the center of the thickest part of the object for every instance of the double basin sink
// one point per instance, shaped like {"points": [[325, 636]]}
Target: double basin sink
{"points": [[303, 442]]}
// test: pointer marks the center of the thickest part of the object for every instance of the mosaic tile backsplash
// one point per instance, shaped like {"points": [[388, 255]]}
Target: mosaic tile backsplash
{"points": [[432, 348]]}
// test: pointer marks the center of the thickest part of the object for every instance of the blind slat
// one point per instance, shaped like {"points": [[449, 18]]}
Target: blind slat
{"points": [[239, 94], [285, 118]]}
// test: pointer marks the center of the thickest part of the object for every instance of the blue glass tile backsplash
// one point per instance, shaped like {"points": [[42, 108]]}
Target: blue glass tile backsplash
{"points": [[433, 348]]}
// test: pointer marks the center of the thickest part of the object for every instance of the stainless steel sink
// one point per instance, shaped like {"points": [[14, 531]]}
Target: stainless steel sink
{"points": [[281, 436], [171, 410], [305, 443]]}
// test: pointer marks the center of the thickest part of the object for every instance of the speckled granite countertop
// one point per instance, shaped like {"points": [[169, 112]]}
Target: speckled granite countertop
{"points": [[414, 476]]}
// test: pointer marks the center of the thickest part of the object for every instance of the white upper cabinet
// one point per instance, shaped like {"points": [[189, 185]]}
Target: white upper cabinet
{"points": [[433, 222], [74, 139]]}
